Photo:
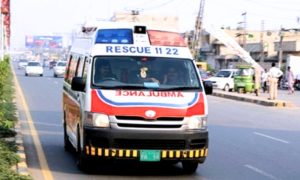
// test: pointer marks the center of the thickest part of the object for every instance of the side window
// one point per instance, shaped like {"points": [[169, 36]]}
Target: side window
{"points": [[80, 67], [68, 72], [85, 68], [71, 69]]}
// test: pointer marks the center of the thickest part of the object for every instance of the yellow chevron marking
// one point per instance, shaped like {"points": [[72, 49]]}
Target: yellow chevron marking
{"points": [[197, 154], [113, 152], [206, 152], [164, 154], [93, 151], [191, 154], [202, 153], [134, 153], [87, 150], [120, 153], [171, 154], [106, 152], [177, 154], [184, 154], [127, 153], [99, 152]]}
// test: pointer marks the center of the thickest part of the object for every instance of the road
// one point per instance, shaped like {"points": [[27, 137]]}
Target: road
{"points": [[247, 141]]}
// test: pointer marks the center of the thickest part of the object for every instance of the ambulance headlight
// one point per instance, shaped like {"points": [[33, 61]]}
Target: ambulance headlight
{"points": [[197, 122], [97, 120]]}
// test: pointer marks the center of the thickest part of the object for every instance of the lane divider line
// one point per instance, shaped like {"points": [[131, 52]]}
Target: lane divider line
{"points": [[261, 172], [270, 137], [37, 143]]}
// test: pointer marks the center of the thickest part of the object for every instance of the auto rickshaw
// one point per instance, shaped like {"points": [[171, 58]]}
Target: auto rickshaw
{"points": [[243, 81]]}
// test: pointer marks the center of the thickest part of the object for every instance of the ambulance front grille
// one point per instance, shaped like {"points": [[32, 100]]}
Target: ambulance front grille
{"points": [[148, 144], [163, 126], [142, 118]]}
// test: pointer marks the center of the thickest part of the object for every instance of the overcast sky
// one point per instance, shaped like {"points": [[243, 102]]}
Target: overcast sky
{"points": [[49, 17]]}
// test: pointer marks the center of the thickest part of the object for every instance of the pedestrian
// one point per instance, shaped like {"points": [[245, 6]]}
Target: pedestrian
{"points": [[273, 74], [264, 79], [290, 79], [257, 80]]}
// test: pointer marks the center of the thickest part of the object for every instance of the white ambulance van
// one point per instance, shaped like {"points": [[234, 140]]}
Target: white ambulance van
{"points": [[132, 92]]}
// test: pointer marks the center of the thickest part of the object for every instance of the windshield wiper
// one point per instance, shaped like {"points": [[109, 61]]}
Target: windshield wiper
{"points": [[124, 87], [180, 88]]}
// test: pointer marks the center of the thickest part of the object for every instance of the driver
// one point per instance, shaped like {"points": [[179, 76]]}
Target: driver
{"points": [[104, 72]]}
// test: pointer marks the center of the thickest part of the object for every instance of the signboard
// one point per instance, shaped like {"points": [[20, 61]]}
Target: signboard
{"points": [[43, 42]]}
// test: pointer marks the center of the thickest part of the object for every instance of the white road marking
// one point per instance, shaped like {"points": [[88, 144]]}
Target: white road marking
{"points": [[261, 172], [270, 137]]}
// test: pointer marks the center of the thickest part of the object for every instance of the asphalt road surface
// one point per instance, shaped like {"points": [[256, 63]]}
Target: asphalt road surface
{"points": [[247, 141]]}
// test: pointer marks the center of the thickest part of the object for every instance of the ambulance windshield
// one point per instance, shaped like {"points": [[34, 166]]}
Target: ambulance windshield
{"points": [[161, 73]]}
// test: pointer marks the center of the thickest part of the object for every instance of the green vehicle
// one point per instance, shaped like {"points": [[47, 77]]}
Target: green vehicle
{"points": [[243, 81]]}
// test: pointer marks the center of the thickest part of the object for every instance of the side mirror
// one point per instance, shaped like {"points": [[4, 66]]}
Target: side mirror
{"points": [[78, 84], [208, 87]]}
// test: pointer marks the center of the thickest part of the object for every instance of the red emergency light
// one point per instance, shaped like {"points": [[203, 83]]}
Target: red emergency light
{"points": [[166, 38]]}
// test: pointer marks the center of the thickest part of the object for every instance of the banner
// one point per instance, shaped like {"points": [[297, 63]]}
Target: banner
{"points": [[43, 42]]}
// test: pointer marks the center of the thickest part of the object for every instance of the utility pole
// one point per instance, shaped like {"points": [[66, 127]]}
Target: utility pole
{"points": [[281, 34], [196, 43], [262, 55], [245, 31]]}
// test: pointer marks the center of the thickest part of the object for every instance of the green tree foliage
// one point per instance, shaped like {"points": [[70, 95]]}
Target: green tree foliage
{"points": [[8, 156]]}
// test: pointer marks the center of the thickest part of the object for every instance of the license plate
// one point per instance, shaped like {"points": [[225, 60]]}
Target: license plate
{"points": [[150, 155]]}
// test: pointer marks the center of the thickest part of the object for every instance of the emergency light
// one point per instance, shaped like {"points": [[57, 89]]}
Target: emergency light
{"points": [[166, 38], [114, 36]]}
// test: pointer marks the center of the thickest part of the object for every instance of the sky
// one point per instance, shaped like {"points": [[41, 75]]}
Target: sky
{"points": [[54, 17]]}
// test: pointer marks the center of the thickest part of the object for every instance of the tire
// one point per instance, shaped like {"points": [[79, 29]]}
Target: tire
{"points": [[189, 167], [226, 88], [26, 74], [82, 163], [67, 144], [41, 75]]}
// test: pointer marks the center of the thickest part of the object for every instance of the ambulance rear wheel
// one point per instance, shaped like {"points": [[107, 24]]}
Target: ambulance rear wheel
{"points": [[67, 144], [189, 167]]}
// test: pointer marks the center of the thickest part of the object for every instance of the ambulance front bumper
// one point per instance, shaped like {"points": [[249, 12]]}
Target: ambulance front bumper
{"points": [[129, 144]]}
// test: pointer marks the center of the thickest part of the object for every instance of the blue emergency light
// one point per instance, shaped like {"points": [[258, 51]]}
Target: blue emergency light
{"points": [[114, 36]]}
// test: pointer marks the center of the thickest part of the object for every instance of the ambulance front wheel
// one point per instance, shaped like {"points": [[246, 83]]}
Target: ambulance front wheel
{"points": [[189, 167], [81, 160]]}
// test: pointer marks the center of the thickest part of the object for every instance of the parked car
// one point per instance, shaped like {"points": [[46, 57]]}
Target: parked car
{"points": [[22, 63], [59, 69], [34, 68], [224, 79]]}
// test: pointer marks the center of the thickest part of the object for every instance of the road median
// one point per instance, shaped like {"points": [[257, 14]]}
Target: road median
{"points": [[251, 98]]}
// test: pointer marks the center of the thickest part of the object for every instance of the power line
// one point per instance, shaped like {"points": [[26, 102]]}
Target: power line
{"points": [[159, 5], [271, 5]]}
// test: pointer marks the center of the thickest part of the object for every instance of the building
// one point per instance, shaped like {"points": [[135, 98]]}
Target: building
{"points": [[263, 47]]}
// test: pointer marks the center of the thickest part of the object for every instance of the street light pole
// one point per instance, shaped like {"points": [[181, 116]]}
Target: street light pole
{"points": [[280, 48]]}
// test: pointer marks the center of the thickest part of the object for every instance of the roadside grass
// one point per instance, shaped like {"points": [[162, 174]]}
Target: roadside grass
{"points": [[8, 148]]}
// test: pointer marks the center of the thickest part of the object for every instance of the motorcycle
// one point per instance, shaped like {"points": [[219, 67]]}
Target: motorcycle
{"points": [[297, 84]]}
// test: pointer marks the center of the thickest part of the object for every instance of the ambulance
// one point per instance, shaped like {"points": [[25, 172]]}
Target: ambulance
{"points": [[132, 92]]}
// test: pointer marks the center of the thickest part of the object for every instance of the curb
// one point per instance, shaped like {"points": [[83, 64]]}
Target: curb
{"points": [[275, 103], [21, 167]]}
